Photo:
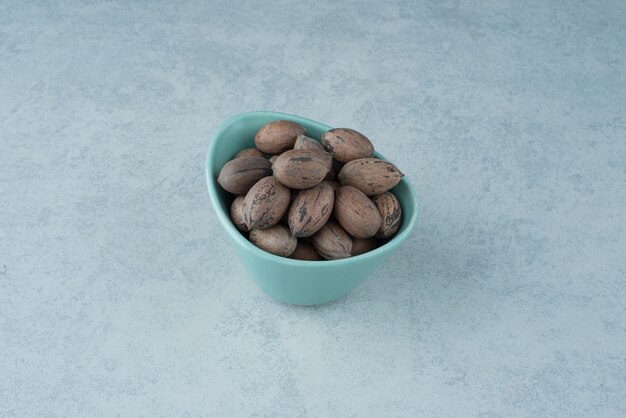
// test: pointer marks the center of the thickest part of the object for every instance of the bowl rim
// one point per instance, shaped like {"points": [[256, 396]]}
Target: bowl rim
{"points": [[241, 240]]}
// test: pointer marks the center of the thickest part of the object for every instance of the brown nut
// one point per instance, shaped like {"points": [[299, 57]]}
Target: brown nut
{"points": [[236, 214], [304, 142], [300, 169], [239, 175], [370, 175], [361, 246], [389, 209], [310, 210], [266, 202], [275, 240], [332, 242], [248, 152], [273, 159], [356, 213], [305, 251], [347, 144], [278, 136]]}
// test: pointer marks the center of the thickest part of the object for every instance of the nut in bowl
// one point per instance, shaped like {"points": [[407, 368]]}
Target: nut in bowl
{"points": [[310, 281]]}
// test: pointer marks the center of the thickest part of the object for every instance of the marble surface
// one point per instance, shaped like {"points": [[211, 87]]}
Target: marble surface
{"points": [[120, 297]]}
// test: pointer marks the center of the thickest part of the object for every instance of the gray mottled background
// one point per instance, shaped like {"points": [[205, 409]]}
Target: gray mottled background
{"points": [[120, 297]]}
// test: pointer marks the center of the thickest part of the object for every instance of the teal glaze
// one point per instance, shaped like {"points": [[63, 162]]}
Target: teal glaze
{"points": [[286, 280]]}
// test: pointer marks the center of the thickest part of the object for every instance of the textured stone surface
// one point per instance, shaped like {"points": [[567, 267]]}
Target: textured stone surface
{"points": [[119, 298]]}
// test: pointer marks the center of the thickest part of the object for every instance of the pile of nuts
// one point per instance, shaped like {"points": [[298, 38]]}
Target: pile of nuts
{"points": [[290, 203]]}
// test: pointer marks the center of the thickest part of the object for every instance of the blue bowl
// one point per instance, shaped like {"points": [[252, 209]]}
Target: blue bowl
{"points": [[286, 280]]}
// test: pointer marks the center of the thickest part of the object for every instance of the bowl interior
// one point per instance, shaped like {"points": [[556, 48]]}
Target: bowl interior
{"points": [[238, 133]]}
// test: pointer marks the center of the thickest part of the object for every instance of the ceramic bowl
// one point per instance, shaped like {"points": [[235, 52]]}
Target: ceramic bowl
{"points": [[286, 280]]}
